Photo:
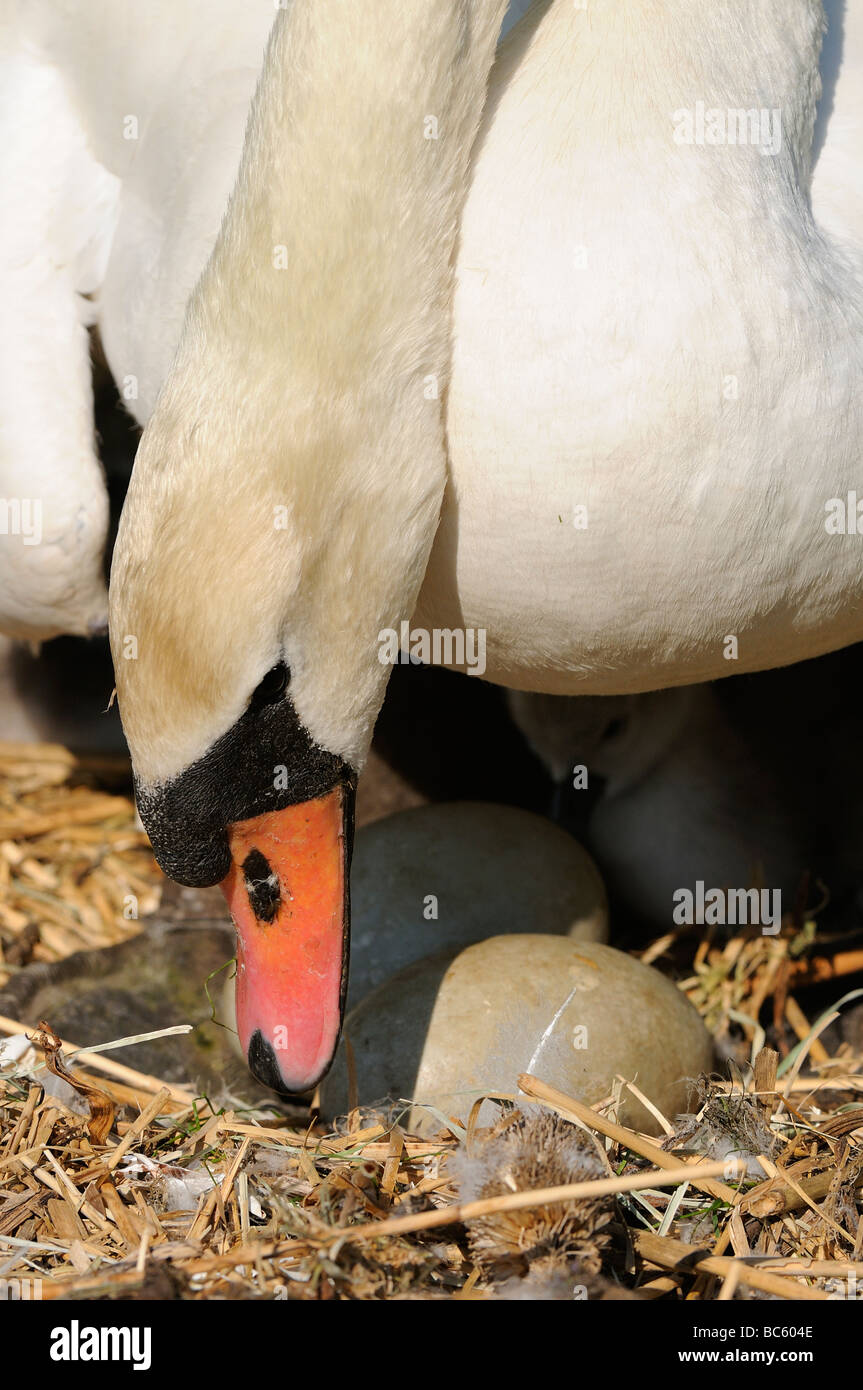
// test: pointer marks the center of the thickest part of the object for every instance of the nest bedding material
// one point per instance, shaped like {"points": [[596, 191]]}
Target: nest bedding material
{"points": [[76, 869], [170, 1199], [145, 1190]]}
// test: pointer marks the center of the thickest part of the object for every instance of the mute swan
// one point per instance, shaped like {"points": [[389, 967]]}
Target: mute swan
{"points": [[684, 798], [652, 393], [53, 503], [121, 127]]}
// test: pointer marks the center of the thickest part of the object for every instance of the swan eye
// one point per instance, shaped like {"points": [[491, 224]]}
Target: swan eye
{"points": [[271, 688]]}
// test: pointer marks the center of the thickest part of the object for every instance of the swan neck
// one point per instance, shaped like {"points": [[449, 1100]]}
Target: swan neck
{"points": [[340, 234], [305, 402]]}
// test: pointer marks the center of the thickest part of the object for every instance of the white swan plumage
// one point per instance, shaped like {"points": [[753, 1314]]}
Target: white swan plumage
{"points": [[607, 440], [683, 796]]}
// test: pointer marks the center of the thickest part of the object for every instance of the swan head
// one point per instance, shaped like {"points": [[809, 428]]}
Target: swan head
{"points": [[287, 490], [246, 600], [620, 738]]}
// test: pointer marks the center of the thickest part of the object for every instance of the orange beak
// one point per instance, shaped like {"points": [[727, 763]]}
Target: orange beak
{"points": [[287, 890]]}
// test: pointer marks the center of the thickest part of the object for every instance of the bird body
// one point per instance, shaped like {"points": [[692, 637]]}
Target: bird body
{"points": [[550, 344]]}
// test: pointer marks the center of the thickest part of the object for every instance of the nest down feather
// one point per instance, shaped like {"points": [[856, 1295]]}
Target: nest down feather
{"points": [[526, 1151]]}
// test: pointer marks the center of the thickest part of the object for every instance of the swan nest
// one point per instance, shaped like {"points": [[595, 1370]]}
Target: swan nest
{"points": [[115, 1183]]}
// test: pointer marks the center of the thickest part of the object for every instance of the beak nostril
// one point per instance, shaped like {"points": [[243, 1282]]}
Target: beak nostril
{"points": [[262, 886]]}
